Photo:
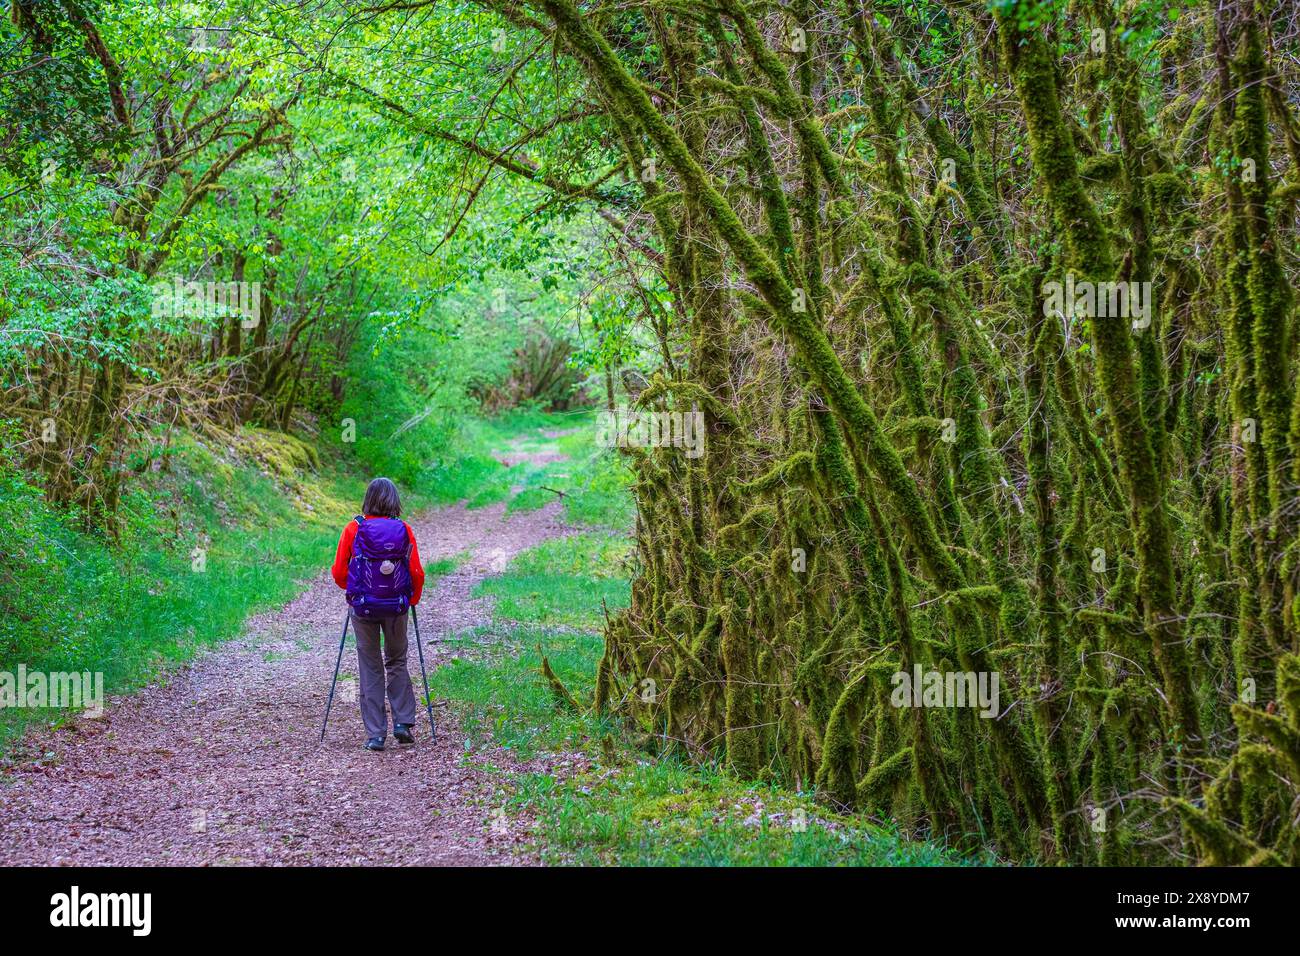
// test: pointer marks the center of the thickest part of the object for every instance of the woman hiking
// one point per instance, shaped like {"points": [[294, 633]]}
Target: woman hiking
{"points": [[378, 565]]}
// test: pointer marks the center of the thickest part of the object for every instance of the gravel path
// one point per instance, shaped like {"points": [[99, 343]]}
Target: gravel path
{"points": [[218, 764]]}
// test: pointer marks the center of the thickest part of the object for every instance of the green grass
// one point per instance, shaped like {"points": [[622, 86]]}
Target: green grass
{"points": [[593, 555], [500, 696], [466, 466], [551, 597], [642, 811], [436, 569], [598, 493], [69, 602], [562, 583], [478, 479], [558, 600], [530, 499]]}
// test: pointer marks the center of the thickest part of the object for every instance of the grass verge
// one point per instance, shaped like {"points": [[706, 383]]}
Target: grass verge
{"points": [[205, 542]]}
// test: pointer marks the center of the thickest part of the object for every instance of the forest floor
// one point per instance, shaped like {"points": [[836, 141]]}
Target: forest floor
{"points": [[219, 763]]}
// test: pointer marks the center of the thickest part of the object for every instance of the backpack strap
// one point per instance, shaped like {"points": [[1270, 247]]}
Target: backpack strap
{"points": [[358, 519]]}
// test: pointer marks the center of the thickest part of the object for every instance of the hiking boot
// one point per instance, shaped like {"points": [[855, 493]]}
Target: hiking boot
{"points": [[402, 734], [375, 743]]}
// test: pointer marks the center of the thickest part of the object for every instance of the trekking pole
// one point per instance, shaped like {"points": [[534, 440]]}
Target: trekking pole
{"points": [[330, 703], [428, 700]]}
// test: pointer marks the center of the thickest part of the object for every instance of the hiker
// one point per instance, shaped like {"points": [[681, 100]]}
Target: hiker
{"points": [[378, 565]]}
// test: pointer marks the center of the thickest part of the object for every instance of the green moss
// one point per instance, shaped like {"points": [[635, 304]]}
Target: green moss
{"points": [[1090, 254]]}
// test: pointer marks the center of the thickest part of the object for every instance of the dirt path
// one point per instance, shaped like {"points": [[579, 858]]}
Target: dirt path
{"points": [[220, 765]]}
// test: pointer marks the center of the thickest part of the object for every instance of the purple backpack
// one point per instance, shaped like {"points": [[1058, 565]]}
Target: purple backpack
{"points": [[379, 574]]}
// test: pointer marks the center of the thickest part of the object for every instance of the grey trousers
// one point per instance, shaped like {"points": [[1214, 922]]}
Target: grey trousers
{"points": [[375, 666]]}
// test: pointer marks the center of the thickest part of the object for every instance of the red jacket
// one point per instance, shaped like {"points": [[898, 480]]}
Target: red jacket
{"points": [[344, 555]]}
